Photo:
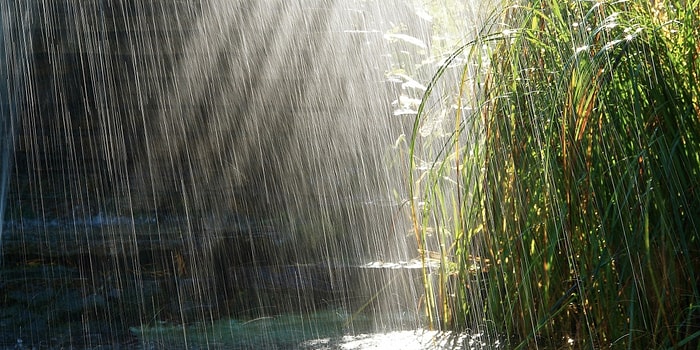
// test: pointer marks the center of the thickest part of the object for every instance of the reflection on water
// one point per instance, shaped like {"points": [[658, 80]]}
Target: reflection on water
{"points": [[314, 332]]}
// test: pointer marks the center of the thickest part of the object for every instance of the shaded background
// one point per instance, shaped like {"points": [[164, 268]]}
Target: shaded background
{"points": [[185, 161]]}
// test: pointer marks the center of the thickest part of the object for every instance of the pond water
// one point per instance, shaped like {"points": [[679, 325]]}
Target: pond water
{"points": [[57, 294]]}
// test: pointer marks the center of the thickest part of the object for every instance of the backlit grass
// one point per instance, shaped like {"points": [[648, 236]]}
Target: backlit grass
{"points": [[564, 204]]}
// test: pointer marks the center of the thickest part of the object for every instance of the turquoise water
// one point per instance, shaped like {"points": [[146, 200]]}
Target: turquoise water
{"points": [[323, 330]]}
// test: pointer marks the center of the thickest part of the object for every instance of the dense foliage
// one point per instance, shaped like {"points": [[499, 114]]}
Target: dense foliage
{"points": [[564, 204]]}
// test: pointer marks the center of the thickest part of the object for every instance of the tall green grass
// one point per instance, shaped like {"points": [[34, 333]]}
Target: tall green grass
{"points": [[564, 206]]}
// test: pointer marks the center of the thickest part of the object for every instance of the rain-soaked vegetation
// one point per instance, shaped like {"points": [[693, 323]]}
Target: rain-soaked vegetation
{"points": [[563, 202], [320, 174]]}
